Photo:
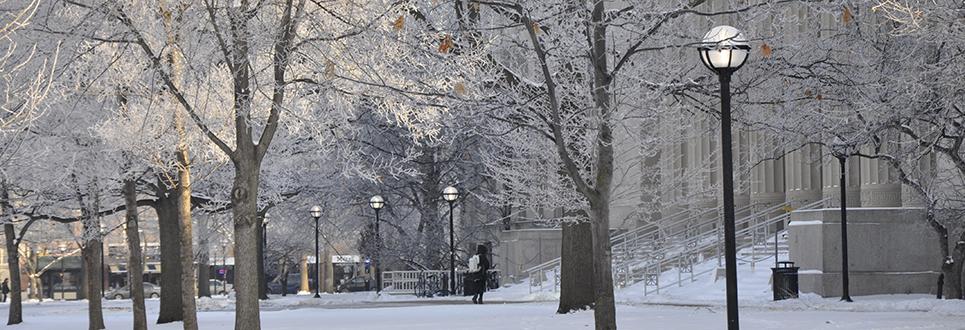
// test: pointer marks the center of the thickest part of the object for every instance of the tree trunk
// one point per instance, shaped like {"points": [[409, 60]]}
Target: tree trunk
{"points": [[244, 195], [135, 270], [183, 191], [13, 258], [576, 284], [284, 277], [93, 278], [204, 271], [169, 230], [13, 264]]}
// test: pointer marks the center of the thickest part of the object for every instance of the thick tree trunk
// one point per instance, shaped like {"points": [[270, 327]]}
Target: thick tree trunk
{"points": [[13, 264], [135, 269], [284, 277], [576, 284], [91, 253], [183, 191], [604, 309], [15, 315], [204, 270], [169, 230], [244, 196]]}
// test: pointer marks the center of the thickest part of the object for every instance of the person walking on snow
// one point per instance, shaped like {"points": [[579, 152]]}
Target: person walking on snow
{"points": [[5, 289], [478, 267]]}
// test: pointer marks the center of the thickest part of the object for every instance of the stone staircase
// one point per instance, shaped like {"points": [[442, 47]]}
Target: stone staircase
{"points": [[680, 241]]}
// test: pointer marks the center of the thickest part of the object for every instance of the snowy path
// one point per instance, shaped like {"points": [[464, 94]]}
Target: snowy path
{"points": [[353, 312]]}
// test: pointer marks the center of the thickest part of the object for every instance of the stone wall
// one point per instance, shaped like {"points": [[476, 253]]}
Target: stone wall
{"points": [[891, 251]]}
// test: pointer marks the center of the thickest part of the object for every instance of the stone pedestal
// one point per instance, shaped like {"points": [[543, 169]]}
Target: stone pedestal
{"points": [[891, 251]]}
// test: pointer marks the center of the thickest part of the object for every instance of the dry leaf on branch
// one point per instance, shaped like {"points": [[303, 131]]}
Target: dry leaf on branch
{"points": [[399, 23], [766, 50], [846, 16], [446, 44], [459, 88]]}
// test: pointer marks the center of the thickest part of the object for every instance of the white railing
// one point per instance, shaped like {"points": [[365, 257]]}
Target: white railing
{"points": [[427, 283]]}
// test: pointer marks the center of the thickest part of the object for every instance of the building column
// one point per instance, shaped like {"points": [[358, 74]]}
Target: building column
{"points": [[767, 177], [303, 270], [879, 183], [803, 176], [831, 174]]}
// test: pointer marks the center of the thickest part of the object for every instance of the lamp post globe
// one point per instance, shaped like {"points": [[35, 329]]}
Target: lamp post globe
{"points": [[450, 194], [376, 202], [316, 212], [723, 50]]}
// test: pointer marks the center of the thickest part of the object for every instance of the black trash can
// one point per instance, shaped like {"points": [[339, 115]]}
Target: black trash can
{"points": [[784, 280]]}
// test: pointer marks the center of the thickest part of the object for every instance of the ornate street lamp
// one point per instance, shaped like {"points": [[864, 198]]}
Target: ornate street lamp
{"points": [[842, 150], [724, 50], [316, 213], [63, 251], [450, 194], [376, 202], [224, 265]]}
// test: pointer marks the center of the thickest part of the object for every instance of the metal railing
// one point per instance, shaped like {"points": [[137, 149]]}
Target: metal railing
{"points": [[428, 283], [646, 253]]}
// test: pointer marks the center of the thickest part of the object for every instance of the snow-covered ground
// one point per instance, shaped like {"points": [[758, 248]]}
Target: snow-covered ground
{"points": [[366, 311], [696, 305]]}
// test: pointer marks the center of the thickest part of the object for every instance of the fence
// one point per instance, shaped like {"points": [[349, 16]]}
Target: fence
{"points": [[428, 283]]}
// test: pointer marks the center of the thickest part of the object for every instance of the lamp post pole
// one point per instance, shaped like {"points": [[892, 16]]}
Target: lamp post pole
{"points": [[224, 267], [841, 152], [730, 245], [262, 274], [63, 250], [104, 278], [450, 194], [316, 213], [377, 202], [378, 254], [724, 50]]}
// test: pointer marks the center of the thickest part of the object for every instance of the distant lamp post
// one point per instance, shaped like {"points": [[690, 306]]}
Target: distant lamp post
{"points": [[842, 150], [224, 265], [450, 194], [377, 202], [103, 251], [724, 50], [316, 212], [262, 283], [63, 252]]}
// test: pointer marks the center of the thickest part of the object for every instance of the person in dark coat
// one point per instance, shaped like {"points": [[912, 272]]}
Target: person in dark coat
{"points": [[479, 274], [5, 289]]}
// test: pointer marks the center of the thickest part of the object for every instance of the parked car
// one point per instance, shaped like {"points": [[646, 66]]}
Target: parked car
{"points": [[294, 281], [354, 284], [219, 287], [150, 291]]}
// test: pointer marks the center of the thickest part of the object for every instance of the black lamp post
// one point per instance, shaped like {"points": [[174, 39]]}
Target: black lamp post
{"points": [[63, 251], [724, 50], [376, 202], [450, 194], [224, 265], [841, 151], [103, 251], [262, 275], [317, 213]]}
